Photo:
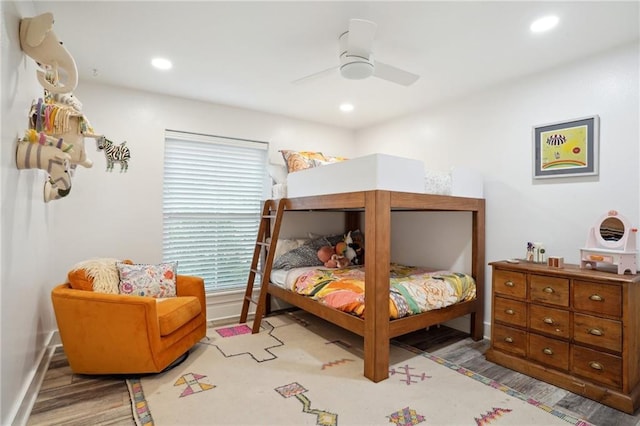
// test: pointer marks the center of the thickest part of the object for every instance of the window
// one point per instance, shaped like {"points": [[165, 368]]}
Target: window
{"points": [[212, 195]]}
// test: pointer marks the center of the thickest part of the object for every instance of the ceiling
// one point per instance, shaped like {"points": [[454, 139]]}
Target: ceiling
{"points": [[247, 54]]}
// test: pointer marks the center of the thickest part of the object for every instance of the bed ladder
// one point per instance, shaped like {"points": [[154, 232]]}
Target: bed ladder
{"points": [[264, 250]]}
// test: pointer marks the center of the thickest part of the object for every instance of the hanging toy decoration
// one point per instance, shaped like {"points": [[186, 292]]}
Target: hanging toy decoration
{"points": [[114, 153]]}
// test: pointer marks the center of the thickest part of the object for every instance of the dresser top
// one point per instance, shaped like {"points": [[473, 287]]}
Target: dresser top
{"points": [[569, 270]]}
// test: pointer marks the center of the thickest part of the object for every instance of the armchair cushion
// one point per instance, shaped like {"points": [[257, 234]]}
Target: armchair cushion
{"points": [[174, 312]]}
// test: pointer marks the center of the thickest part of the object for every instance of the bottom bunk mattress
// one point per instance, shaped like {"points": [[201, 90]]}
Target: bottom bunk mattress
{"points": [[413, 290]]}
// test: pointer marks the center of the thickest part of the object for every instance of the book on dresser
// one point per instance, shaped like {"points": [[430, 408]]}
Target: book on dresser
{"points": [[576, 328]]}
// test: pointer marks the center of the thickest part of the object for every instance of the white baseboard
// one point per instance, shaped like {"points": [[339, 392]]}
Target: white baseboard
{"points": [[31, 387], [464, 323]]}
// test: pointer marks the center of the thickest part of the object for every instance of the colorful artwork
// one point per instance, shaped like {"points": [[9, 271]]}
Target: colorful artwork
{"points": [[564, 149], [568, 148]]}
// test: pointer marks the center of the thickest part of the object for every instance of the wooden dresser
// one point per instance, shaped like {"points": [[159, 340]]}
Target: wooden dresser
{"points": [[578, 329]]}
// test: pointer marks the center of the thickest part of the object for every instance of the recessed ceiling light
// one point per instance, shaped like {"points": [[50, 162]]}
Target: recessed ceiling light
{"points": [[544, 24], [346, 107], [161, 63]]}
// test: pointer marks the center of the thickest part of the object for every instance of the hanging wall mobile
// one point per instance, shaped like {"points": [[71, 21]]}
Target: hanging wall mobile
{"points": [[114, 153], [54, 141]]}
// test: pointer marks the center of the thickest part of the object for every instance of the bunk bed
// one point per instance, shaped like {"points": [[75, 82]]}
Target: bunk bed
{"points": [[375, 206]]}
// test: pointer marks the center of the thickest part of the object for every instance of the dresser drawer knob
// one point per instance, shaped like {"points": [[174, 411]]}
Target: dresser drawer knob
{"points": [[509, 284], [596, 365], [547, 351], [596, 332], [508, 339], [548, 320], [548, 290], [596, 298], [509, 312]]}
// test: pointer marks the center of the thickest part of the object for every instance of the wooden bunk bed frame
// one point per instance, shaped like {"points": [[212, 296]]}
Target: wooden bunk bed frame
{"points": [[376, 327]]}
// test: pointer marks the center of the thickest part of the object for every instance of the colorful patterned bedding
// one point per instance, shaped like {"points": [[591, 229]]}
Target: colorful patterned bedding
{"points": [[413, 289]]}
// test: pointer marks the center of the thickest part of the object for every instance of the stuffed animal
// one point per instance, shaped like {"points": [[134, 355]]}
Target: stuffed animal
{"points": [[331, 259], [38, 40], [344, 247]]}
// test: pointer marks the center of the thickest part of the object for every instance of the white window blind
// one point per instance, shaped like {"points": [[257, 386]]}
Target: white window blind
{"points": [[212, 200]]}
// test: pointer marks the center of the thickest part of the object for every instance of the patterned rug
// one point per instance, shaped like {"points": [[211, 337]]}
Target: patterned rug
{"points": [[301, 370]]}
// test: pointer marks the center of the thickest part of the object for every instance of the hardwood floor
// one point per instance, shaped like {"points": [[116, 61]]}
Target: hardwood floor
{"points": [[69, 399]]}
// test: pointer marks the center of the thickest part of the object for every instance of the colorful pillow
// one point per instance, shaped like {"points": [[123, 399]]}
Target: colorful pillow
{"points": [[300, 160], [148, 280]]}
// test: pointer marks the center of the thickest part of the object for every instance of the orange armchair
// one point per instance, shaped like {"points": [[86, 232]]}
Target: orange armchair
{"points": [[123, 334]]}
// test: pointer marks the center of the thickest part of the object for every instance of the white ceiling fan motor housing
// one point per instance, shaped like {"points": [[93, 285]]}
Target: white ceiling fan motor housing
{"points": [[353, 67]]}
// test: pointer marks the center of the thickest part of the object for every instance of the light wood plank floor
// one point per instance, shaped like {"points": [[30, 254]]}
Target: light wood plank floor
{"points": [[69, 399]]}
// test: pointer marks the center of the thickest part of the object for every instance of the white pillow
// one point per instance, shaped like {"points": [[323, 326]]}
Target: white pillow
{"points": [[278, 173], [283, 246]]}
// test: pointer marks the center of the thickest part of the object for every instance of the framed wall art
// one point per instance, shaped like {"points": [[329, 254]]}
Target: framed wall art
{"points": [[566, 148]]}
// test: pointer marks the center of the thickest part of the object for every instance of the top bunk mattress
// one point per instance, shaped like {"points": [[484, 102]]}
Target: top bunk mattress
{"points": [[375, 171], [379, 172]]}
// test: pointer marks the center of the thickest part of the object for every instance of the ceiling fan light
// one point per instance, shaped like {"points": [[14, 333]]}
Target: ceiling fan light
{"points": [[356, 70]]}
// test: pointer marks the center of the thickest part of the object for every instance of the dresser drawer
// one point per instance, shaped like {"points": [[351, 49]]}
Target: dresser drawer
{"points": [[510, 311], [510, 283], [509, 339], [549, 320], [596, 331], [546, 350], [598, 366], [552, 290], [597, 298]]}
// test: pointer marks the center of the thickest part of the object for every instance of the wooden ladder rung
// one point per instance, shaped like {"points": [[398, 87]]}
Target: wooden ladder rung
{"points": [[251, 299], [269, 213]]}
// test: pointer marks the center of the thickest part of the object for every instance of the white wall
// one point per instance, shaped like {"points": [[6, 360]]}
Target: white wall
{"points": [[26, 224], [491, 132]]}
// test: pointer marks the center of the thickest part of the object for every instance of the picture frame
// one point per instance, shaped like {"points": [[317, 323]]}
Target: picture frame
{"points": [[566, 148]]}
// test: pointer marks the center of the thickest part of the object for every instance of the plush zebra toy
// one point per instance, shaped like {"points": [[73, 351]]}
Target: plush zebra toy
{"points": [[114, 153]]}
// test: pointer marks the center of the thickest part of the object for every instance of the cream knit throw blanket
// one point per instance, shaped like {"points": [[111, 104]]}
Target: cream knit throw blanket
{"points": [[103, 272]]}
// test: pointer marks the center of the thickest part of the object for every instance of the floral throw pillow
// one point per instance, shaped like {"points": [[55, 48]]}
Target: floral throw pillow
{"points": [[148, 280], [300, 160]]}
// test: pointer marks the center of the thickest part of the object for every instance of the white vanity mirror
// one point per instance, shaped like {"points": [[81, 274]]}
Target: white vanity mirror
{"points": [[612, 240]]}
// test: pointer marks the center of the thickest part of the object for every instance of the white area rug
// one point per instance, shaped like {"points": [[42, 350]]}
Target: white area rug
{"points": [[301, 370]]}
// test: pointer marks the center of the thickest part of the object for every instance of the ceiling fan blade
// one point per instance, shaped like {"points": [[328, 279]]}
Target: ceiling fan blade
{"points": [[393, 74], [361, 34], [316, 75]]}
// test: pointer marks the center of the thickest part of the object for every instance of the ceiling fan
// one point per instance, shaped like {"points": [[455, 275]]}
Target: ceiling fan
{"points": [[356, 59]]}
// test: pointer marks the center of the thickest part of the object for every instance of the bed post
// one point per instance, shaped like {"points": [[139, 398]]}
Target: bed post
{"points": [[377, 242], [352, 220], [477, 270]]}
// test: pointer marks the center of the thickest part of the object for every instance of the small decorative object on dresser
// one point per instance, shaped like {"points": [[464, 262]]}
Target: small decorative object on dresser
{"points": [[611, 240], [576, 328]]}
